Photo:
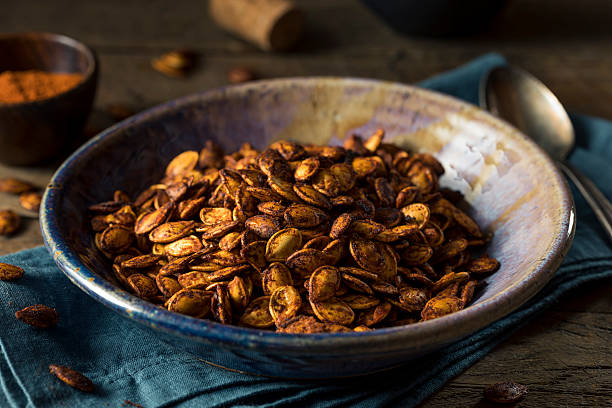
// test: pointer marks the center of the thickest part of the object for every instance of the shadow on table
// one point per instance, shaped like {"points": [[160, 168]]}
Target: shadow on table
{"points": [[525, 20]]}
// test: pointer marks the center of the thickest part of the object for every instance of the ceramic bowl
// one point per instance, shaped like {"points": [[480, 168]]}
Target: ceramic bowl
{"points": [[36, 131], [514, 190]]}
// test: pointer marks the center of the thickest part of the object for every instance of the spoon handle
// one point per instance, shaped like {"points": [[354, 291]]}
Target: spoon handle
{"points": [[593, 196]]}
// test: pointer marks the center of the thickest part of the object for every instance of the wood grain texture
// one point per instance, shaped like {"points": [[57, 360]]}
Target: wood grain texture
{"points": [[565, 354]]}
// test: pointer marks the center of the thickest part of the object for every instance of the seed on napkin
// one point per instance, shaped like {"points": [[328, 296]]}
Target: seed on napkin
{"points": [[10, 272], [40, 316], [71, 377]]}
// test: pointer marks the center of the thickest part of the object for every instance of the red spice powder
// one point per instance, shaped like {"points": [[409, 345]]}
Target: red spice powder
{"points": [[33, 85]]}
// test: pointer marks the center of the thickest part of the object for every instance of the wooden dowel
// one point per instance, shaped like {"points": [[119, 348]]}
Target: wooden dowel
{"points": [[272, 25]]}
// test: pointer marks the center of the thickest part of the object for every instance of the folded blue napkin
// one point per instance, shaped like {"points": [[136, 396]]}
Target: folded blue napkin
{"points": [[129, 365]]}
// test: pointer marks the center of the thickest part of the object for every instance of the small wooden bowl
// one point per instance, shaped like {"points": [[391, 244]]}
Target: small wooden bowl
{"points": [[32, 132]]}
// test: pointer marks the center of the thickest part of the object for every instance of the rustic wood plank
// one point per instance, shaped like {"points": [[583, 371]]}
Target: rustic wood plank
{"points": [[574, 62]]}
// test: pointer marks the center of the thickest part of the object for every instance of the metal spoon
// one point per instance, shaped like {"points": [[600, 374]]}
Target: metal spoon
{"points": [[524, 101]]}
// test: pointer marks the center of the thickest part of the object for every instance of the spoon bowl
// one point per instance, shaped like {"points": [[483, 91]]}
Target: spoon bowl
{"points": [[517, 96]]}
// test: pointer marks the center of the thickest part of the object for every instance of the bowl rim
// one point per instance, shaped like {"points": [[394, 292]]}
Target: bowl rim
{"points": [[81, 48], [442, 330]]}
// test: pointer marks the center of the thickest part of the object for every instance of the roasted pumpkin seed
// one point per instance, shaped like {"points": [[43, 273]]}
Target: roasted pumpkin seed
{"points": [[221, 305], [333, 311], [341, 225], [440, 306], [323, 283], [304, 216], [190, 302], [272, 208], [255, 254], [263, 225], [142, 285], [311, 196], [72, 378], [507, 392], [374, 315], [182, 163], [40, 316], [171, 231], [357, 301], [213, 216], [307, 168], [285, 302], [282, 244], [304, 261], [167, 285], [257, 313], [297, 237], [10, 272]]}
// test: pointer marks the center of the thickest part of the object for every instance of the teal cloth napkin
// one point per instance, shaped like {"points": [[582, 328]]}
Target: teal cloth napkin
{"points": [[128, 363]]}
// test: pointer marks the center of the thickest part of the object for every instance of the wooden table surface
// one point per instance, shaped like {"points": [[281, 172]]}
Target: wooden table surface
{"points": [[565, 355]]}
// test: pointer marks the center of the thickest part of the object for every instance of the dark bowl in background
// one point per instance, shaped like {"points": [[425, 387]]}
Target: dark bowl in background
{"points": [[32, 132], [436, 17]]}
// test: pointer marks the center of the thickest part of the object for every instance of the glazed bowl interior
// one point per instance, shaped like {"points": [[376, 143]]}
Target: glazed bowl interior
{"points": [[512, 189]]}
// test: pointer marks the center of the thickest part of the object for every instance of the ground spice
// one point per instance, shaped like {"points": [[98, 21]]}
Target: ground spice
{"points": [[33, 85]]}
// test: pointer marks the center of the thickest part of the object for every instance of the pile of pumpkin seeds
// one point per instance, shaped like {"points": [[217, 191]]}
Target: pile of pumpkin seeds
{"points": [[300, 239]]}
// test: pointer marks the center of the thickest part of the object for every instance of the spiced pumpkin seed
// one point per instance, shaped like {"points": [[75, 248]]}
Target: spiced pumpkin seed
{"points": [[323, 283], [171, 231], [285, 302], [213, 216], [321, 231], [142, 285], [304, 216], [507, 392], [182, 163], [272, 208], [333, 311], [440, 306], [72, 377], [257, 313], [190, 302], [263, 225], [282, 244], [40, 316], [307, 168], [10, 272], [305, 261], [311, 196]]}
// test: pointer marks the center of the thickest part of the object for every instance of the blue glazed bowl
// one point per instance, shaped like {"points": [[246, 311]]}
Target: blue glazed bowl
{"points": [[513, 188]]}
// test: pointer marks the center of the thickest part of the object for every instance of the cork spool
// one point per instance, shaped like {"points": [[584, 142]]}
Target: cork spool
{"points": [[272, 25]]}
